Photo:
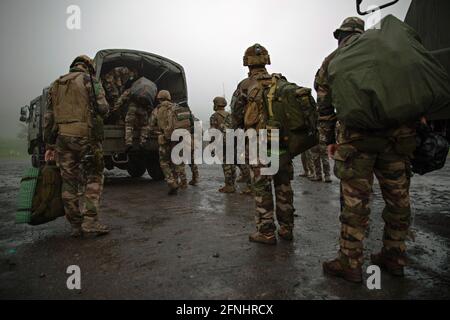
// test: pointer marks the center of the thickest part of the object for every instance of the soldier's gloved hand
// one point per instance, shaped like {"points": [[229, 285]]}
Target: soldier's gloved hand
{"points": [[49, 155], [331, 148]]}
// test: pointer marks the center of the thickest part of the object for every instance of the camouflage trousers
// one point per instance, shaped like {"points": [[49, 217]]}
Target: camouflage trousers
{"points": [[136, 120], [319, 161], [229, 172], [81, 166], [194, 171], [356, 169], [306, 163], [173, 173], [263, 188], [245, 173]]}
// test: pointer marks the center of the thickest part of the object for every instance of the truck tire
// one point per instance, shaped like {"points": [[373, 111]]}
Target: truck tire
{"points": [[154, 170], [136, 167]]}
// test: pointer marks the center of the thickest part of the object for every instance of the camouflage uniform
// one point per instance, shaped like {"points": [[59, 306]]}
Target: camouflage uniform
{"points": [[159, 122], [256, 57], [136, 120], [221, 120], [115, 83], [307, 164], [359, 156], [193, 166], [319, 162], [79, 150]]}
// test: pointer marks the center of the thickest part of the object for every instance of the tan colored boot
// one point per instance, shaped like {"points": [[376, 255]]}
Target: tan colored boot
{"points": [[194, 182], [76, 232], [388, 263], [263, 238], [227, 189], [286, 233], [91, 226], [337, 268], [173, 189], [183, 184]]}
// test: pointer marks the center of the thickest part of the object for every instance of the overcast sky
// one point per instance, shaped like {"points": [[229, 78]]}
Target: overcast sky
{"points": [[207, 37]]}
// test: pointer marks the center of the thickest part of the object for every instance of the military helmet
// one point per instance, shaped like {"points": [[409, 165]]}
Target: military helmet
{"points": [[164, 95], [220, 102], [256, 55], [83, 59], [351, 24]]}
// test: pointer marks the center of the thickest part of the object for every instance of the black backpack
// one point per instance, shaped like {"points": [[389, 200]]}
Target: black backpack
{"points": [[431, 153]]}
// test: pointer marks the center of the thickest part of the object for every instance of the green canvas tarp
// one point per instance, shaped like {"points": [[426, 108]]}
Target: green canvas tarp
{"points": [[386, 77]]}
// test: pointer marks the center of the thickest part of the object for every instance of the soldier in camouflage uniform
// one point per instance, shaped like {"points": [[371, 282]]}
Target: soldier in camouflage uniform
{"points": [[248, 95], [319, 159], [76, 107], [116, 82], [221, 120], [307, 165], [137, 118], [358, 155], [194, 168], [160, 123]]}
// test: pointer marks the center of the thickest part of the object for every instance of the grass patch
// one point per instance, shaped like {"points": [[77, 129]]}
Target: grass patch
{"points": [[13, 149]]}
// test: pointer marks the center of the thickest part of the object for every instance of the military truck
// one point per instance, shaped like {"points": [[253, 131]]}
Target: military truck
{"points": [[166, 74]]}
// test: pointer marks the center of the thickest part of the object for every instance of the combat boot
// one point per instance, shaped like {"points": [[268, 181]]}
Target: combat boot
{"points": [[242, 179], [264, 238], [247, 191], [173, 190], [315, 179], [337, 268], [91, 226], [303, 175], [327, 179], [183, 184], [228, 189], [286, 233], [193, 182], [389, 263], [76, 232]]}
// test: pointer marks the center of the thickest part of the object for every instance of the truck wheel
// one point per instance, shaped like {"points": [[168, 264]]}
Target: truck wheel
{"points": [[154, 171], [136, 171]]}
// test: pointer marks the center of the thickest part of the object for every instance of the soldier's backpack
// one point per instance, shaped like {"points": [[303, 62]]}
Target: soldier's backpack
{"points": [[292, 110], [39, 198], [144, 90], [431, 152], [386, 78], [180, 118]]}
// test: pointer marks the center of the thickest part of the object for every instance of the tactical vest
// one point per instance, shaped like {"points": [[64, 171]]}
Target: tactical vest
{"points": [[71, 105]]}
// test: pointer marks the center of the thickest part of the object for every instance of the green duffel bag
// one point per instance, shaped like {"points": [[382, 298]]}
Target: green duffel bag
{"points": [[386, 78], [292, 110], [40, 196]]}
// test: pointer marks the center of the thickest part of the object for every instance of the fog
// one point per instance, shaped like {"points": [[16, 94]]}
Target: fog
{"points": [[207, 37]]}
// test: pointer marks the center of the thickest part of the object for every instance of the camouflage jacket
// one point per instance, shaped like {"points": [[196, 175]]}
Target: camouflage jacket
{"points": [[160, 119], [98, 102], [327, 114], [220, 120], [242, 96], [115, 82]]}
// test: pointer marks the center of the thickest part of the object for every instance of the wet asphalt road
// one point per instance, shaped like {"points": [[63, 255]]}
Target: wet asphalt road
{"points": [[195, 246]]}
